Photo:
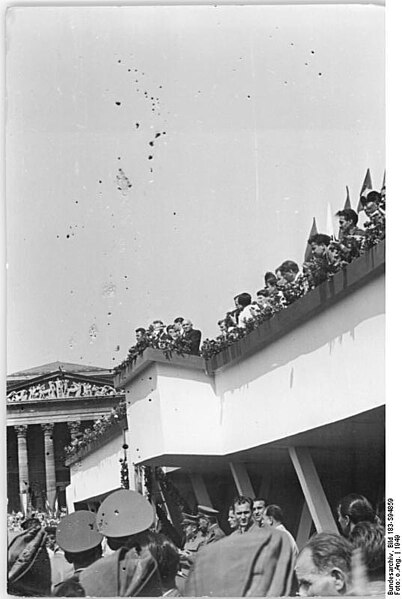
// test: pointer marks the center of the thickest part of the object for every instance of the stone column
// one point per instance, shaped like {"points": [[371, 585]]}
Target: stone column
{"points": [[49, 464], [23, 466]]}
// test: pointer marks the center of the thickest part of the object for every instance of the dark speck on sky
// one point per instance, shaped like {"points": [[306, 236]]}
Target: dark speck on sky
{"points": [[150, 157], [319, 74], [100, 181], [312, 51], [137, 125], [118, 103], [151, 143]]}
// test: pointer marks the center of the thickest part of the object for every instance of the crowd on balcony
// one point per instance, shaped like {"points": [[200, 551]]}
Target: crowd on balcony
{"points": [[179, 337], [84, 439], [123, 551], [325, 255]]}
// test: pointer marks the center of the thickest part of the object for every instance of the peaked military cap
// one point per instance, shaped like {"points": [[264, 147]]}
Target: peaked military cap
{"points": [[78, 532], [190, 518], [124, 513], [204, 510]]}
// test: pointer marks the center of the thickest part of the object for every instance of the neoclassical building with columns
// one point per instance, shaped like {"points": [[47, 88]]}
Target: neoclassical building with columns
{"points": [[47, 407]]}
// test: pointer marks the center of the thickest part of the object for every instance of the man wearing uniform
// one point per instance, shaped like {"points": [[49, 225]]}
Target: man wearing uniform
{"points": [[194, 540], [124, 518], [78, 537], [208, 525]]}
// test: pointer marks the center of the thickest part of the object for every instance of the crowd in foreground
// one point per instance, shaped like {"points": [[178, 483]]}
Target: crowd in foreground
{"points": [[120, 551], [325, 256]]}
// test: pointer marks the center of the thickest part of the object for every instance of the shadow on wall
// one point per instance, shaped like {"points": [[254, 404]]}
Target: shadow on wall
{"points": [[326, 328]]}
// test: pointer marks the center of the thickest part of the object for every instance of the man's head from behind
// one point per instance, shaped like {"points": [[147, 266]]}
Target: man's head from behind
{"points": [[370, 538], [323, 567], [273, 515]]}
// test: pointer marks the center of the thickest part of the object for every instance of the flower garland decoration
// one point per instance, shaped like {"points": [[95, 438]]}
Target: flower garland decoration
{"points": [[98, 429]]}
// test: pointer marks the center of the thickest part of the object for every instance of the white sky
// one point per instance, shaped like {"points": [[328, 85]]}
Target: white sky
{"points": [[254, 143]]}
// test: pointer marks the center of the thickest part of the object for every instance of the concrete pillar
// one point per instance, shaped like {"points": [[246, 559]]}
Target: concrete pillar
{"points": [[242, 479], [304, 529], [23, 466], [49, 464], [313, 491], [200, 489]]}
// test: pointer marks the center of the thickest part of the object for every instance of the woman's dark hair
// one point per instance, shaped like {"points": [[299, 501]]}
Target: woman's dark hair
{"points": [[371, 540], [358, 508], [349, 214], [288, 266], [320, 239], [372, 196], [166, 555]]}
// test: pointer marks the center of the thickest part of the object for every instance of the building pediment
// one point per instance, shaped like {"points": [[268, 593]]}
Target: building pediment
{"points": [[59, 385]]}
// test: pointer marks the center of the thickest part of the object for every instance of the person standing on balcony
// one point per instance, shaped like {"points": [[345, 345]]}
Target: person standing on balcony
{"points": [[291, 281], [179, 324], [208, 524], [350, 237], [243, 304], [192, 337]]}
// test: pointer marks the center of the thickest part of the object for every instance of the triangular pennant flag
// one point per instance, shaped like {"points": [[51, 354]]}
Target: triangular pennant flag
{"points": [[366, 187], [308, 253], [330, 223], [348, 204]]}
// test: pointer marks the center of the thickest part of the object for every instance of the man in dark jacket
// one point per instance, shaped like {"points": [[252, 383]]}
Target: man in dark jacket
{"points": [[192, 337]]}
